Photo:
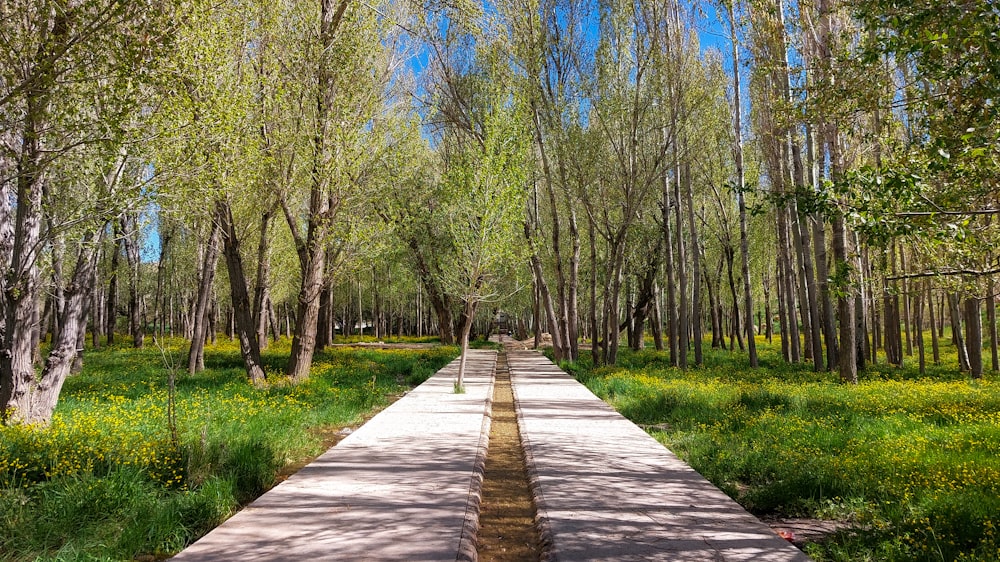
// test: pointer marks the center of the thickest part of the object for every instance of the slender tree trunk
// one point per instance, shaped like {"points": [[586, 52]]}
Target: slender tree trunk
{"points": [[261, 293], [683, 314], [906, 305], [96, 322], [312, 248], [239, 292], [595, 334], [805, 255], [974, 336], [845, 307], [768, 322], [935, 349], [655, 321], [786, 341], [111, 304], [572, 296], [195, 359], [991, 318], [673, 322], [919, 321], [740, 200], [132, 244], [696, 278], [159, 301], [468, 316], [546, 302], [39, 400], [956, 333]]}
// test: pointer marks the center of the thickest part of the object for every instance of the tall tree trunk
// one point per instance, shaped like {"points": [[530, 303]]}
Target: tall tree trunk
{"points": [[655, 321], [974, 336], [159, 299], [768, 321], [673, 322], [740, 200], [805, 256], [468, 317], [802, 285], [21, 276], [906, 303], [738, 325], [196, 355], [34, 400], [96, 321], [786, 278], [131, 242], [919, 322], [595, 323], [935, 349], [546, 303], [612, 296], [111, 303], [845, 305], [261, 292], [860, 318], [696, 277], [239, 293], [683, 314], [311, 249], [991, 318], [956, 333], [572, 295]]}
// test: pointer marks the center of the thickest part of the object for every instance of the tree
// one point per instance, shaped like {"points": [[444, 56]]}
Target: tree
{"points": [[74, 111], [486, 185]]}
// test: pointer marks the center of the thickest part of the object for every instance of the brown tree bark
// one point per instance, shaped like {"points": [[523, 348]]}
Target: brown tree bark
{"points": [[311, 248], [199, 321], [956, 333], [131, 243], [919, 323], [974, 336], [935, 349], [262, 285], [242, 320], [111, 302], [991, 318]]}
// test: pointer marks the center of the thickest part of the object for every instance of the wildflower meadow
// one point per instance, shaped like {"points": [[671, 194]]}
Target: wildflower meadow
{"points": [[908, 464], [113, 478]]}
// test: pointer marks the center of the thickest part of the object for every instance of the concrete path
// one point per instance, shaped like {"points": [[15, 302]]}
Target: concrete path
{"points": [[606, 490], [404, 486]]}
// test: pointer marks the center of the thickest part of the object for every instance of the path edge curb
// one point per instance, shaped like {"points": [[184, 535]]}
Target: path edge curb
{"points": [[468, 543], [547, 551]]}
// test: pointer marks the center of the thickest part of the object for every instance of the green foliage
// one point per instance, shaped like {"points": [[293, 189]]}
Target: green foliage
{"points": [[104, 480], [909, 461]]}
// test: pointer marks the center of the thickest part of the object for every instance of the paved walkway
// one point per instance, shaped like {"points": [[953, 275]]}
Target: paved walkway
{"points": [[404, 486], [606, 490]]}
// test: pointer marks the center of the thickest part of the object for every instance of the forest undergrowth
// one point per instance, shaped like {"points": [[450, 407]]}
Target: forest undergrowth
{"points": [[910, 462], [107, 481]]}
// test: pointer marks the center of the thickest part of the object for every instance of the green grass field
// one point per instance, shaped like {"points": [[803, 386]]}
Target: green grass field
{"points": [[911, 462], [106, 481]]}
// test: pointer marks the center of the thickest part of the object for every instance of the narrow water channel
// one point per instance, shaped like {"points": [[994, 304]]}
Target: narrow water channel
{"points": [[507, 530]]}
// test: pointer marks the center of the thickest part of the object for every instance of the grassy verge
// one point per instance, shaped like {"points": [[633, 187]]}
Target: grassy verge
{"points": [[107, 481], [910, 462]]}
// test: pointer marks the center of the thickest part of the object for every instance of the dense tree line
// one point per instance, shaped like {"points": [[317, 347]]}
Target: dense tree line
{"points": [[826, 174]]}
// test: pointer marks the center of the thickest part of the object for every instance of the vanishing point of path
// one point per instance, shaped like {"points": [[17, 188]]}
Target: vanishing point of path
{"points": [[409, 484]]}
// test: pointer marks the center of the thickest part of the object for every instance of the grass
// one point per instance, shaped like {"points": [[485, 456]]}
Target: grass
{"points": [[106, 481], [913, 463]]}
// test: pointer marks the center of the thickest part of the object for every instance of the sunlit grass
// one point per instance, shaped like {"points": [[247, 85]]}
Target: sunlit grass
{"points": [[910, 461], [106, 480]]}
